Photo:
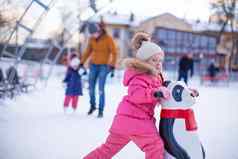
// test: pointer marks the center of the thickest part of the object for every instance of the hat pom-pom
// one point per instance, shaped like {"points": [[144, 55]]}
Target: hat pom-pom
{"points": [[138, 38]]}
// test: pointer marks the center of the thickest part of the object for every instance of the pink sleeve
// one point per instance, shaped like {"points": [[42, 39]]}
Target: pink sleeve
{"points": [[139, 92]]}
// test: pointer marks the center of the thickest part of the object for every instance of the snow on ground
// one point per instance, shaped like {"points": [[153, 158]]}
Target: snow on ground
{"points": [[33, 125]]}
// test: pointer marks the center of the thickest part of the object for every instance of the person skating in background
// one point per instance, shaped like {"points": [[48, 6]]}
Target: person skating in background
{"points": [[185, 65], [212, 71], [134, 120], [102, 52], [73, 84]]}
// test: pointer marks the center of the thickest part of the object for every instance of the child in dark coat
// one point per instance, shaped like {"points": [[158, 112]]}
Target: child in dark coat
{"points": [[73, 84]]}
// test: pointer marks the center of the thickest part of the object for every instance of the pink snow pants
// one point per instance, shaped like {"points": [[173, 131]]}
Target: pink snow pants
{"points": [[151, 144], [68, 99]]}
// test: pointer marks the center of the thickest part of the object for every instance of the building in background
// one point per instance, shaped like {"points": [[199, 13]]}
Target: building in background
{"points": [[223, 21], [165, 20], [178, 37], [224, 48], [37, 49], [175, 35]]}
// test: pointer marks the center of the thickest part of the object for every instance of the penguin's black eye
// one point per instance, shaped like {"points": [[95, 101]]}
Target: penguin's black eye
{"points": [[177, 93]]}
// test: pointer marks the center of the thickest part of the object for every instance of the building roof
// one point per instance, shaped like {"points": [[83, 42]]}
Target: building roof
{"points": [[161, 15], [122, 19], [205, 26], [166, 20], [116, 19]]}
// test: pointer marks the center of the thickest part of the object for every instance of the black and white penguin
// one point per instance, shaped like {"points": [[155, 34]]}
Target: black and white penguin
{"points": [[178, 127]]}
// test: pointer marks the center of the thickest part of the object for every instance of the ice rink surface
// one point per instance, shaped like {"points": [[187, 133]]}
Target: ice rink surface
{"points": [[33, 125]]}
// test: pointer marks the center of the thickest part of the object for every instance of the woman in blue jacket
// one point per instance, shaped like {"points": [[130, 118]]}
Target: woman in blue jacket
{"points": [[73, 84]]}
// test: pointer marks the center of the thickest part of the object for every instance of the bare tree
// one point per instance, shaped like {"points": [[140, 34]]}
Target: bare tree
{"points": [[63, 33], [226, 11], [6, 22], [3, 21]]}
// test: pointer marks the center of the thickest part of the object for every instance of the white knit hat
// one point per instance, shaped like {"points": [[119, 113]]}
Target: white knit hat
{"points": [[148, 49], [74, 62]]}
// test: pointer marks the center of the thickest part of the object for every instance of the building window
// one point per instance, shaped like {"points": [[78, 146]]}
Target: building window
{"points": [[211, 45], [174, 41]]}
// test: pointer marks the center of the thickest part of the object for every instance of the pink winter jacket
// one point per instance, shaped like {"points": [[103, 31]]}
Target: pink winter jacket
{"points": [[135, 113]]}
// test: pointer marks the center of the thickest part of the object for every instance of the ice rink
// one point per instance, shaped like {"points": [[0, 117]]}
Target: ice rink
{"points": [[33, 125]]}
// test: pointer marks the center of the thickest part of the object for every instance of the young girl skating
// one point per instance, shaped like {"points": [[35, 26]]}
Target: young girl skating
{"points": [[134, 120], [73, 84]]}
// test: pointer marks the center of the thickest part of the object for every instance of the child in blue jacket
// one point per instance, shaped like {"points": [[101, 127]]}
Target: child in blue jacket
{"points": [[73, 84]]}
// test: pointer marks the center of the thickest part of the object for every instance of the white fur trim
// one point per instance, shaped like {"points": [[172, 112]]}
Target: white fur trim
{"points": [[140, 65]]}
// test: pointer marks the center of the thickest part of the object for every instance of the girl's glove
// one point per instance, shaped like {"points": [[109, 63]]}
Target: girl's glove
{"points": [[162, 92], [111, 69], [194, 92], [83, 71]]}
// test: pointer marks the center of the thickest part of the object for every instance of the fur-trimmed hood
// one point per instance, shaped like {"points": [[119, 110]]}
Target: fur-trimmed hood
{"points": [[135, 67], [140, 66]]}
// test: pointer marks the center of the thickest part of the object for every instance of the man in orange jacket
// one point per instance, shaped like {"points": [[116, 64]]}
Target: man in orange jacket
{"points": [[103, 55]]}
